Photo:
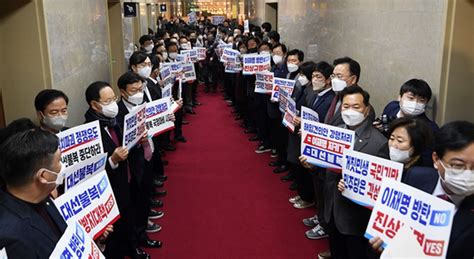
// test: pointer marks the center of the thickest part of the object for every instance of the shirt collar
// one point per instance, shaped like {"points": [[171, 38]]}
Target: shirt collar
{"points": [[324, 92], [456, 199]]}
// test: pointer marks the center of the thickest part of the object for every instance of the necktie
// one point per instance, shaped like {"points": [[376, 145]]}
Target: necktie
{"points": [[444, 197], [148, 153], [332, 109]]}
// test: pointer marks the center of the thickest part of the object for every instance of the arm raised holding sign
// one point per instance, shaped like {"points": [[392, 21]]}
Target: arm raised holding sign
{"points": [[120, 154]]}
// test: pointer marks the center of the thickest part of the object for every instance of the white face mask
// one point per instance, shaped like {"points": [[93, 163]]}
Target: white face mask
{"points": [[338, 84], [303, 80], [265, 52], [56, 122], [164, 55], [352, 117], [59, 176], [412, 108], [136, 99], [292, 67], [144, 72], [172, 55], [185, 46], [110, 110], [149, 48], [317, 84], [277, 59], [460, 182], [399, 155]]}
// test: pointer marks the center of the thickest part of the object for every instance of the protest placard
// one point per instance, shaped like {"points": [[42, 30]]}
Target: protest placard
{"points": [[429, 217], [75, 243], [289, 115], [78, 173], [166, 75], [233, 67], [201, 52], [166, 91], [189, 73], [363, 175], [158, 114], [246, 26], [230, 55], [93, 205], [323, 144], [183, 57], [80, 143], [216, 19], [285, 89], [253, 63], [192, 17], [219, 50], [3, 253], [264, 82], [134, 126], [309, 115], [192, 55]]}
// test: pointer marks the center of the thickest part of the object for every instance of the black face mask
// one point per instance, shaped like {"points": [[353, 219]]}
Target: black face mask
{"points": [[253, 50]]}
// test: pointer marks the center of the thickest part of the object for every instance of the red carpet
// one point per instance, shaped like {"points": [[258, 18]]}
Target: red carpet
{"points": [[223, 200]]}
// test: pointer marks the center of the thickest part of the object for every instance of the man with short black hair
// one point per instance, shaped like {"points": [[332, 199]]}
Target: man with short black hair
{"points": [[273, 38], [30, 224], [146, 43], [51, 109]]}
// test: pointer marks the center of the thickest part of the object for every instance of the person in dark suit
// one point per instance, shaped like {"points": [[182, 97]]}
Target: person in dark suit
{"points": [[347, 220], [103, 107], [412, 101], [451, 179], [139, 159], [51, 109], [319, 102], [346, 73], [30, 224]]}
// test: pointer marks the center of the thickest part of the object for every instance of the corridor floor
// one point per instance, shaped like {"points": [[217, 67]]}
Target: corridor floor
{"points": [[223, 199]]}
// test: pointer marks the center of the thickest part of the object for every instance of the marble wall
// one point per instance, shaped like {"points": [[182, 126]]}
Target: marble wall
{"points": [[78, 45], [393, 40]]}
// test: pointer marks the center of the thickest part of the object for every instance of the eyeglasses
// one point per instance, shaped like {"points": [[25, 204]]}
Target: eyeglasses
{"points": [[109, 101], [457, 166], [135, 91]]}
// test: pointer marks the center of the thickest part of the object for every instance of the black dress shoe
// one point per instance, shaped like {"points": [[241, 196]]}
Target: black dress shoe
{"points": [[149, 243], [162, 178], [249, 131], [157, 183], [280, 169], [170, 148], [184, 122], [138, 253], [165, 162], [287, 178], [254, 138], [197, 103], [180, 139], [191, 111], [159, 193], [238, 117], [156, 204], [274, 163]]}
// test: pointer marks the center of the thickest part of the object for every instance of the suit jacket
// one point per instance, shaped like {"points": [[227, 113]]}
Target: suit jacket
{"points": [[155, 90], [23, 232], [321, 107], [136, 155], [461, 241], [349, 217], [118, 177]]}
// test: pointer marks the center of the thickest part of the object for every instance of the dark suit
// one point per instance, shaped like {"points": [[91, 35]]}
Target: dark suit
{"points": [[461, 241], [347, 220], [119, 243], [140, 182], [23, 232]]}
